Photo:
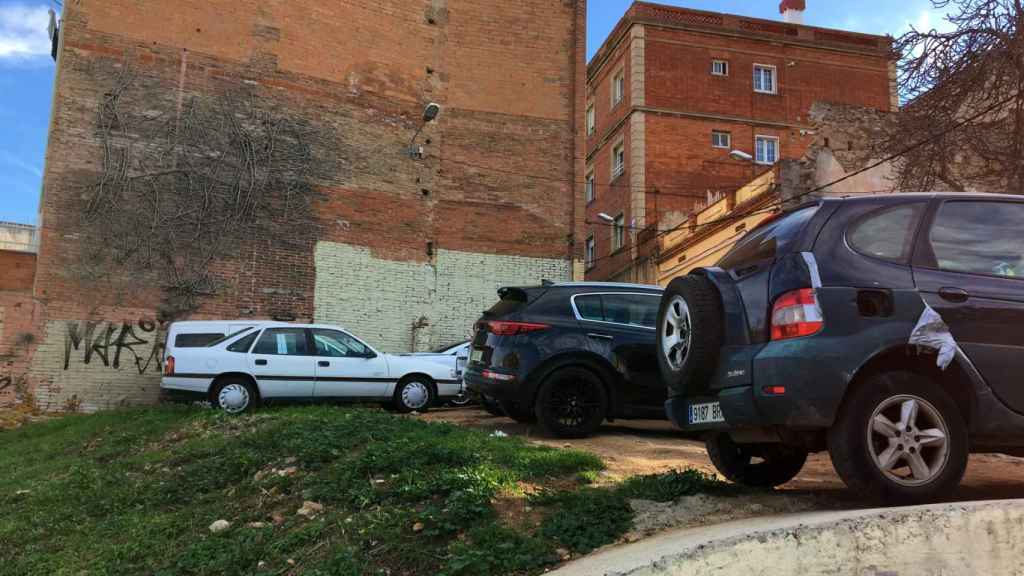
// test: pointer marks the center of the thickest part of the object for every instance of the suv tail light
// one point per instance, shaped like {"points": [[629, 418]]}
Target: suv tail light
{"points": [[504, 328], [797, 314], [169, 366]]}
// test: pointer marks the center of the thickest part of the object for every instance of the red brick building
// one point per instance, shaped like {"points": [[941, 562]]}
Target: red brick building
{"points": [[672, 92], [251, 159]]}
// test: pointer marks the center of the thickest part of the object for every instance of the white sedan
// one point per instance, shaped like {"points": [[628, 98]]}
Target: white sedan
{"points": [[237, 364], [457, 356]]}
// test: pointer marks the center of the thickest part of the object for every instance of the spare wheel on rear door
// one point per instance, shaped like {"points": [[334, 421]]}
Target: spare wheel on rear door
{"points": [[689, 334]]}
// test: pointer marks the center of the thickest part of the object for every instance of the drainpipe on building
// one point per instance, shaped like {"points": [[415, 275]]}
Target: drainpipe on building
{"points": [[417, 325]]}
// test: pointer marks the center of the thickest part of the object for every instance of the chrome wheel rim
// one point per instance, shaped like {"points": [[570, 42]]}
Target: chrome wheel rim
{"points": [[908, 440], [233, 398], [461, 400], [675, 333], [415, 395]]}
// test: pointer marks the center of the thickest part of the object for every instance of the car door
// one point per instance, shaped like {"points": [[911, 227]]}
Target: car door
{"points": [[621, 327], [347, 368], [282, 363], [970, 269]]}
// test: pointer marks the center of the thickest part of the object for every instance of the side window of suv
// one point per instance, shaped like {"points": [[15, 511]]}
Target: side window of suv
{"points": [[627, 309], [887, 234], [979, 238], [282, 342], [632, 309], [589, 307]]}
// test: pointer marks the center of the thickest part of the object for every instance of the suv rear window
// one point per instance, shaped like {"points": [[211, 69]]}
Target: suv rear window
{"points": [[769, 240], [512, 300]]}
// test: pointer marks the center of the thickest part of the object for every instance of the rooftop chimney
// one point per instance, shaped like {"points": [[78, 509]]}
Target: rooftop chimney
{"points": [[793, 11]]}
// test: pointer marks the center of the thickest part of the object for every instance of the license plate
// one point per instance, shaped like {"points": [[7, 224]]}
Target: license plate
{"points": [[706, 413], [476, 356]]}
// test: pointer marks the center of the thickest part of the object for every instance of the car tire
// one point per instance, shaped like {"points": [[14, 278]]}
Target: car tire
{"points": [[414, 394], [235, 395], [491, 406], [571, 403], [915, 453], [689, 334], [461, 400], [516, 413], [778, 463]]}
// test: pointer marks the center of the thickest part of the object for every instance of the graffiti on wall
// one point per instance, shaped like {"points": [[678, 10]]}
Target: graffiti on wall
{"points": [[116, 344]]}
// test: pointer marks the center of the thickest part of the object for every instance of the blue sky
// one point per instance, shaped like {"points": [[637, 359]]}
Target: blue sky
{"points": [[26, 70]]}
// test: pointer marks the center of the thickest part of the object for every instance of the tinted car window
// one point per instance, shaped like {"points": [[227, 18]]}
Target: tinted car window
{"points": [[229, 336], [513, 300], [282, 342], [886, 234], [338, 345], [768, 240], [196, 340], [589, 307], [244, 344], [629, 309], [980, 238], [632, 309]]}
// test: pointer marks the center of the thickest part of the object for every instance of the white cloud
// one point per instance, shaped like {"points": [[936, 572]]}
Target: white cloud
{"points": [[12, 160], [23, 31]]}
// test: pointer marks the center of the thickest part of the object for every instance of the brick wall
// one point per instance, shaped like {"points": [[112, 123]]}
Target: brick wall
{"points": [[381, 300], [495, 184], [17, 270]]}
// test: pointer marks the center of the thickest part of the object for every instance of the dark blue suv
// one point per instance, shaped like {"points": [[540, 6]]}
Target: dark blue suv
{"points": [[888, 330], [569, 356]]}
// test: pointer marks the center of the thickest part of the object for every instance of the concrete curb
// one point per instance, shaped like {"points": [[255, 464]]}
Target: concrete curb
{"points": [[943, 539]]}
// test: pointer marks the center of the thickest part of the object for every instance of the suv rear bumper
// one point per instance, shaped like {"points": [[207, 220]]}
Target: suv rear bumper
{"points": [[813, 371], [507, 391]]}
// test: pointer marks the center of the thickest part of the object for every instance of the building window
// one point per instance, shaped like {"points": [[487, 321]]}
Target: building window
{"points": [[764, 79], [591, 120], [721, 139], [618, 87], [619, 233], [618, 160], [719, 68], [767, 149], [591, 255], [588, 189]]}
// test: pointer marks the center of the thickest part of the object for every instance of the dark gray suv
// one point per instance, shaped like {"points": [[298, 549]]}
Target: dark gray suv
{"points": [[888, 330]]}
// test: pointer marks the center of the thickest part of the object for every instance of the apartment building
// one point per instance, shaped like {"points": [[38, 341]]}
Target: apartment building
{"points": [[683, 105]]}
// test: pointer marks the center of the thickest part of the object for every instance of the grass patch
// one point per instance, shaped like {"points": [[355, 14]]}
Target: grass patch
{"points": [[134, 492], [674, 485]]}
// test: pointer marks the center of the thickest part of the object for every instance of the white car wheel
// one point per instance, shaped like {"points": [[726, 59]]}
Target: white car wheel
{"points": [[234, 398], [413, 395]]}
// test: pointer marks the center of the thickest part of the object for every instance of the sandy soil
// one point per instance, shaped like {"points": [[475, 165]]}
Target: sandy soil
{"points": [[645, 447]]}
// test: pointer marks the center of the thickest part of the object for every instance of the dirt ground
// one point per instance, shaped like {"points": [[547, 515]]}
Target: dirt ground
{"points": [[645, 447]]}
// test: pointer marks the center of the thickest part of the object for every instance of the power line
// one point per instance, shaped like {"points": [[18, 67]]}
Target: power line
{"points": [[779, 203]]}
